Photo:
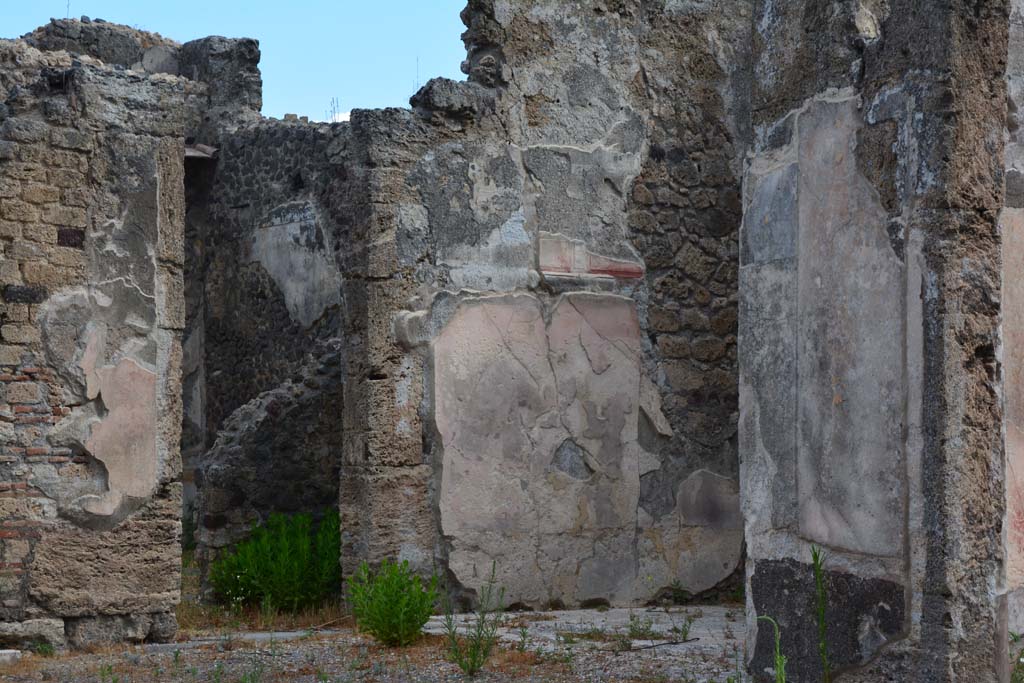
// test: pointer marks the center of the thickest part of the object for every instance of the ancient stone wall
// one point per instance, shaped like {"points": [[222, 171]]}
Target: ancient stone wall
{"points": [[518, 326], [91, 209], [869, 318]]}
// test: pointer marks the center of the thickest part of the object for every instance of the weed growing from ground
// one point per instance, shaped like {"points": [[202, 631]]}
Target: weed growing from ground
{"points": [[779, 660], [254, 674], [739, 677], [1017, 675], [524, 639], [641, 628], [621, 642], [1017, 658], [681, 629], [472, 651], [391, 604], [818, 560]]}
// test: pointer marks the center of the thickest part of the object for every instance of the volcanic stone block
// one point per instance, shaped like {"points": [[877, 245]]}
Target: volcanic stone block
{"points": [[862, 616]]}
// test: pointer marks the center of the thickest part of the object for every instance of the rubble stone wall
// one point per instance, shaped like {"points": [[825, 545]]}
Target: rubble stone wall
{"points": [[264, 387]]}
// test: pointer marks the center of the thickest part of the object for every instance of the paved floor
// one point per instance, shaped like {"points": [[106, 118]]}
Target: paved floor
{"points": [[587, 646]]}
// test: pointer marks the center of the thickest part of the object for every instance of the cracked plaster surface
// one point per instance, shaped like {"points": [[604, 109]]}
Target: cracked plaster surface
{"points": [[518, 390]]}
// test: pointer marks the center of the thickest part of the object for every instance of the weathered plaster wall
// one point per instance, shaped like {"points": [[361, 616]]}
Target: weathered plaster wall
{"points": [[525, 180], [91, 171], [1011, 223], [538, 412], [869, 383]]}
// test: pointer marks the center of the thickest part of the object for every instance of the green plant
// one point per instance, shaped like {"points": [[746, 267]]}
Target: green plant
{"points": [[524, 639], [818, 560], [43, 648], [268, 611], [472, 652], [641, 628], [621, 642], [391, 604], [682, 629], [739, 677], [1017, 674], [284, 564], [779, 663], [254, 674]]}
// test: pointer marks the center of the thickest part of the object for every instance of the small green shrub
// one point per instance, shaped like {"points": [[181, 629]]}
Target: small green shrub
{"points": [[285, 564], [43, 648], [391, 604], [472, 651]]}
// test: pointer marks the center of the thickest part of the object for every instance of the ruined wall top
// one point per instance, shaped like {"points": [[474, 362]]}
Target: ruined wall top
{"points": [[224, 89], [112, 44]]}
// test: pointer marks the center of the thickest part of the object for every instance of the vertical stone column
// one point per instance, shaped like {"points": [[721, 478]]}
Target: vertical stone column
{"points": [[869, 315], [384, 495]]}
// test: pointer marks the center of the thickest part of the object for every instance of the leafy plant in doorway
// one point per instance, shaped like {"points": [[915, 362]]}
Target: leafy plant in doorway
{"points": [[288, 563]]}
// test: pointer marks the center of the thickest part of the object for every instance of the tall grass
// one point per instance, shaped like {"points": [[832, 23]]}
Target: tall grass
{"points": [[821, 598], [779, 659], [472, 650]]}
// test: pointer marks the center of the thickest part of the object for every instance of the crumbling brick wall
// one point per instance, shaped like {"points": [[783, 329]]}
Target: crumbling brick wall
{"points": [[93, 207], [92, 214]]}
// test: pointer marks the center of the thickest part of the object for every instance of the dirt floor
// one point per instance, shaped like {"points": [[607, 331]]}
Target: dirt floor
{"points": [[610, 646]]}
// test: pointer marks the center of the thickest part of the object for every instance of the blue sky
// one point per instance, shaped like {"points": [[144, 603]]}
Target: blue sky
{"points": [[362, 52]]}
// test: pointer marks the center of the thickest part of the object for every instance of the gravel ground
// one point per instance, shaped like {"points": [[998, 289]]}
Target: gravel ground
{"points": [[557, 647]]}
